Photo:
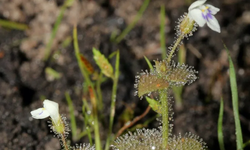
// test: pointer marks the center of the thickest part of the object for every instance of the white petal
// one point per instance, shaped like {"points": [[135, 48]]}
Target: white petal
{"points": [[213, 24], [196, 4], [53, 109], [196, 15], [213, 9], [40, 113], [50, 105]]}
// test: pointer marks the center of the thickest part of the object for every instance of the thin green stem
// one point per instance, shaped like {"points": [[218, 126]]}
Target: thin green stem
{"points": [[65, 145], [174, 47], [13, 25], [165, 120], [162, 33], [96, 129], [66, 4], [220, 126], [72, 116], [113, 100], [87, 119], [246, 144], [90, 84], [131, 26], [99, 91], [78, 56]]}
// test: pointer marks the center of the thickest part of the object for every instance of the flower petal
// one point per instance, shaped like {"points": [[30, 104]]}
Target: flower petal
{"points": [[53, 109], [213, 24], [196, 4], [40, 113], [213, 9], [196, 15], [50, 105]]}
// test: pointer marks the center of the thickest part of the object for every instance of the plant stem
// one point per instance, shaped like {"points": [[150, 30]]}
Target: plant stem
{"points": [[65, 145], [174, 47], [165, 126], [96, 123], [113, 100]]}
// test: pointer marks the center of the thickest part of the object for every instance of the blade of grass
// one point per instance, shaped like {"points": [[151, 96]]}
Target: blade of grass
{"points": [[220, 126], [13, 25], [90, 84], [162, 33], [96, 123], [234, 90], [78, 56], [66, 4], [131, 26], [87, 119], [149, 63], [246, 144], [113, 100], [99, 91], [72, 116]]}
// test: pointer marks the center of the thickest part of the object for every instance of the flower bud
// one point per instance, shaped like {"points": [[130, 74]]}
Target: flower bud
{"points": [[186, 25]]}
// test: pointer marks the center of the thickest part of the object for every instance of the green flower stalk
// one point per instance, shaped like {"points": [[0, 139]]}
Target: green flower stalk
{"points": [[198, 14]]}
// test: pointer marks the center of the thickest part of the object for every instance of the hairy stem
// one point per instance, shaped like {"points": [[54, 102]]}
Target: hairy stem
{"points": [[177, 42], [65, 145], [165, 126]]}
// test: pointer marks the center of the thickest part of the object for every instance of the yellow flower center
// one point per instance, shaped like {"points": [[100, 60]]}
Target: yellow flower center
{"points": [[206, 8]]}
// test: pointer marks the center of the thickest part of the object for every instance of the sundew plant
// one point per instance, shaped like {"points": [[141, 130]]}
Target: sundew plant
{"points": [[152, 85]]}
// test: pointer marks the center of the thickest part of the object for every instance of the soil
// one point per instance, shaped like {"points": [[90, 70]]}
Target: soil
{"points": [[24, 83]]}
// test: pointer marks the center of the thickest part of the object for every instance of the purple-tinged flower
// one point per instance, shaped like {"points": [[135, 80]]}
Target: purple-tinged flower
{"points": [[204, 13]]}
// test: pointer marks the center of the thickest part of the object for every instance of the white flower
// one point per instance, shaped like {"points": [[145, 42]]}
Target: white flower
{"points": [[203, 13], [50, 108]]}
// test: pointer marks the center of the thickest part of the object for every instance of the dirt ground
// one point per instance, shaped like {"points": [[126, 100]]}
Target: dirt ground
{"points": [[24, 83]]}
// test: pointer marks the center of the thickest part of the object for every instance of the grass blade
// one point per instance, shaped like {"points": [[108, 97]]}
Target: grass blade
{"points": [[246, 144], [66, 4], [234, 90], [162, 33], [72, 116], [13, 25], [113, 100], [149, 63], [131, 26], [220, 126], [90, 85]]}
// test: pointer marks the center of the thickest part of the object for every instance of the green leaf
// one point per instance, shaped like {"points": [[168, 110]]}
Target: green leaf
{"points": [[220, 126], [234, 90], [154, 105], [149, 83], [103, 63]]}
